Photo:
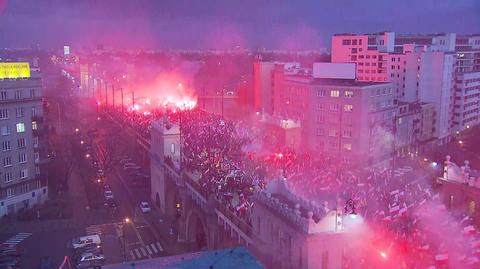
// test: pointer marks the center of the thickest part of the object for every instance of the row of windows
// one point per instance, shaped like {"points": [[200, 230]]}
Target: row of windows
{"points": [[367, 78], [335, 107], [22, 158], [18, 94], [347, 42], [19, 112], [19, 127], [334, 93], [21, 143], [333, 144]]}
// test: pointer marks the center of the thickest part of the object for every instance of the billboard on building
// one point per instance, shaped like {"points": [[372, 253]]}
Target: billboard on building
{"points": [[334, 70], [66, 50], [14, 70]]}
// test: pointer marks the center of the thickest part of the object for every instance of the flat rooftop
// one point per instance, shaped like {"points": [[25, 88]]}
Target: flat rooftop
{"points": [[333, 82]]}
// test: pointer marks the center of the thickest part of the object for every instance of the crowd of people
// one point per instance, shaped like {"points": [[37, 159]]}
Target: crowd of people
{"points": [[220, 150]]}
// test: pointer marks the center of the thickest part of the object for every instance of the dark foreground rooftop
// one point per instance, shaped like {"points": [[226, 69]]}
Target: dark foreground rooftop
{"points": [[230, 258]]}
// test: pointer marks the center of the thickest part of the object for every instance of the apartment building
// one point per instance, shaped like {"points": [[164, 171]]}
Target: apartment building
{"points": [[340, 117], [23, 182]]}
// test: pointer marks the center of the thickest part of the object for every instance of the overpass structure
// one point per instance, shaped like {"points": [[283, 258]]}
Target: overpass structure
{"points": [[282, 230]]}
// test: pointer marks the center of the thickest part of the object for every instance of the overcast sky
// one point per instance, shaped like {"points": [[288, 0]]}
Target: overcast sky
{"points": [[223, 23]]}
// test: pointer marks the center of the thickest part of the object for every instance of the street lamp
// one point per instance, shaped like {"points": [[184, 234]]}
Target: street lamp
{"points": [[82, 142], [77, 130], [125, 222]]}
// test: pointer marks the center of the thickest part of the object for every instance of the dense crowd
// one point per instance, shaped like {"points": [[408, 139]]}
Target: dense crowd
{"points": [[230, 168]]}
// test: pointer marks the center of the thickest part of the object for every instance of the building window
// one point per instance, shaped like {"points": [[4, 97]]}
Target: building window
{"points": [[334, 93], [34, 125], [19, 112], [320, 132], [347, 147], [346, 42], [9, 192], [348, 108], [320, 93], [172, 148], [3, 114], [37, 170], [348, 94], [24, 188], [6, 146], [36, 155], [35, 141], [32, 93], [20, 127], [21, 143], [18, 94], [23, 173], [347, 133], [321, 118], [320, 107], [332, 132], [22, 158], [3, 95], [34, 111], [6, 130], [7, 161], [334, 107], [8, 177]]}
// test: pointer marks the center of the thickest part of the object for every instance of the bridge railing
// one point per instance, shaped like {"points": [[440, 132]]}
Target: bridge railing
{"points": [[236, 220]]}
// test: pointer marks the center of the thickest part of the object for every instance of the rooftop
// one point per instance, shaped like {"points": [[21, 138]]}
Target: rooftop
{"points": [[333, 82], [230, 258]]}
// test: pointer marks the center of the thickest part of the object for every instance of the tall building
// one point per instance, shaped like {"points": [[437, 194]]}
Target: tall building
{"points": [[344, 117], [23, 138], [420, 68], [467, 82], [262, 86]]}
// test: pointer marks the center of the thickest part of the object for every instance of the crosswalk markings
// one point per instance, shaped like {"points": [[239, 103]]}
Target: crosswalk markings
{"points": [[93, 229], [154, 248], [131, 254], [149, 250], [16, 239], [159, 246], [143, 251]]}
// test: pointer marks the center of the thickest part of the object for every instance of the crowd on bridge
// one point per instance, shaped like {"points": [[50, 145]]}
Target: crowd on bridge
{"points": [[217, 149]]}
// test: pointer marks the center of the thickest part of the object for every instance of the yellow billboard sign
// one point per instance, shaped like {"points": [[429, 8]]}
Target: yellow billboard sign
{"points": [[14, 70]]}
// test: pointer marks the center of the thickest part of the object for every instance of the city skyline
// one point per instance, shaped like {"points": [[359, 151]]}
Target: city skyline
{"points": [[211, 25]]}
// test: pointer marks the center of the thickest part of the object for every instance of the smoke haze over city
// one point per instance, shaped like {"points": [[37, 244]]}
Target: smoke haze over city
{"points": [[222, 24]]}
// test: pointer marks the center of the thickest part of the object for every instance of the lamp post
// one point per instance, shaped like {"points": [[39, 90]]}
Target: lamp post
{"points": [[125, 222]]}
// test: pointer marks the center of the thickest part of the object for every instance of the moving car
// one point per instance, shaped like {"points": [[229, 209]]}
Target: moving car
{"points": [[86, 240], [145, 207]]}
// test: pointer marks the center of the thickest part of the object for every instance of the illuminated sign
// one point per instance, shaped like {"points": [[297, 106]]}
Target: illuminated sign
{"points": [[14, 70], [66, 50]]}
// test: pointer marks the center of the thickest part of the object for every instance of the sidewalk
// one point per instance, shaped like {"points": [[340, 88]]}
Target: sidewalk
{"points": [[161, 228]]}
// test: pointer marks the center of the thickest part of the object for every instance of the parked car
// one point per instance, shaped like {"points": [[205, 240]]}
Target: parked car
{"points": [[87, 248], [86, 240], [89, 252], [108, 194], [145, 207], [89, 265], [89, 257]]}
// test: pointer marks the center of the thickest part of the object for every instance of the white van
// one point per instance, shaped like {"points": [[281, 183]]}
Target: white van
{"points": [[86, 240]]}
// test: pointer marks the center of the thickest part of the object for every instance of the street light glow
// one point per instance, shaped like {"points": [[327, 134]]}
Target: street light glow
{"points": [[127, 220]]}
